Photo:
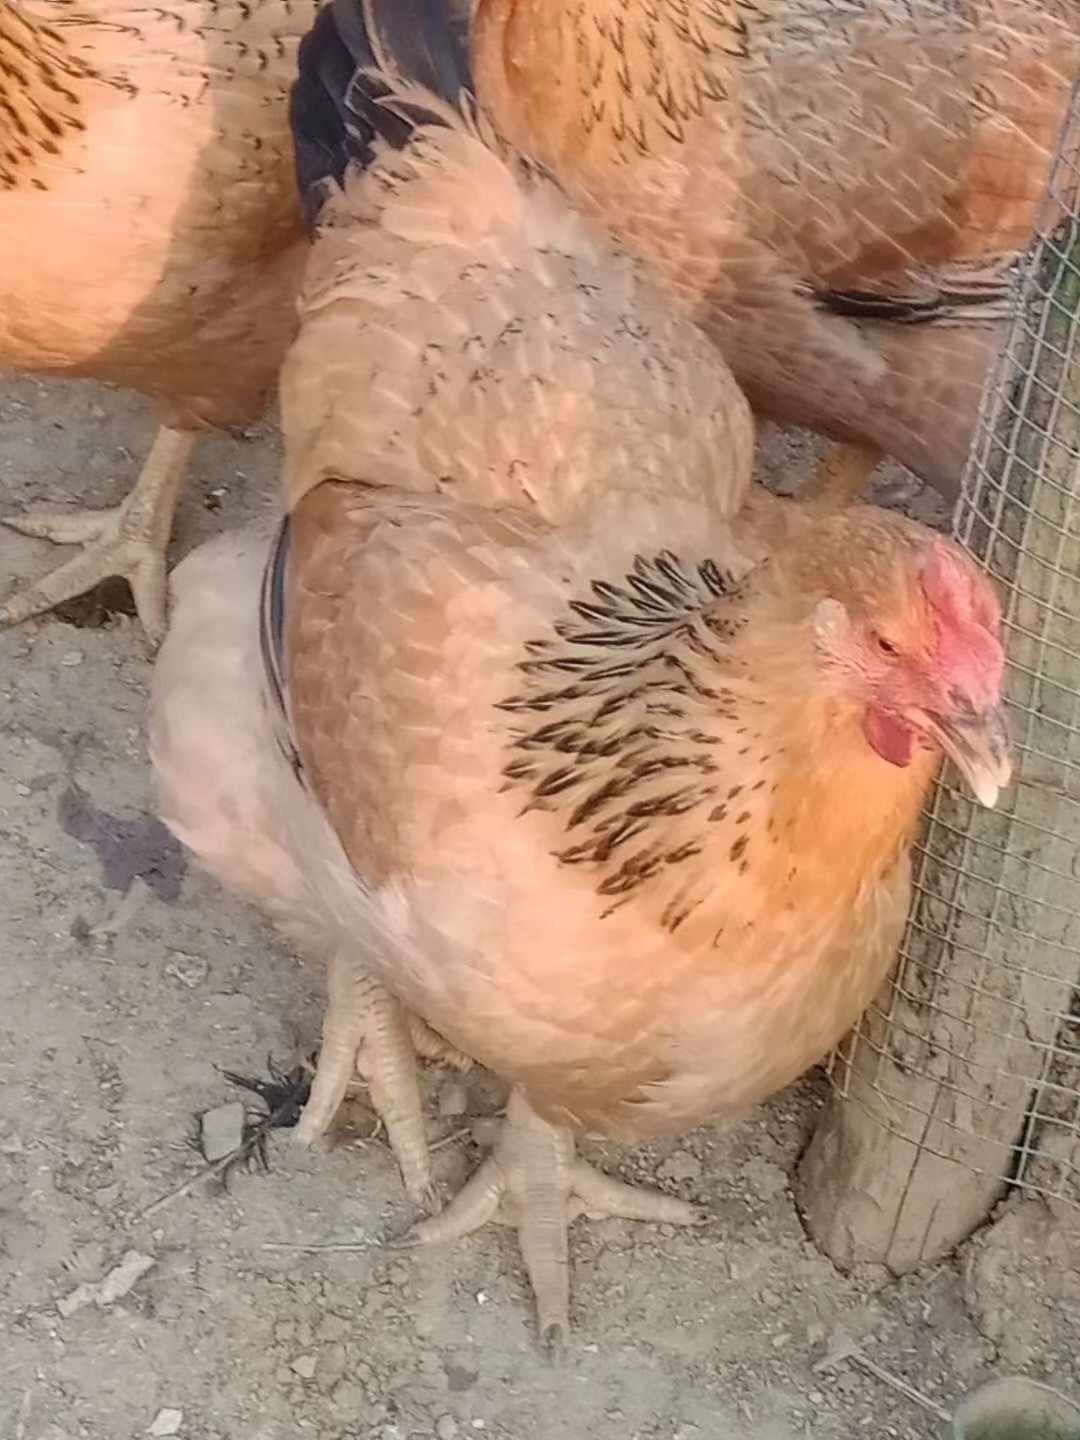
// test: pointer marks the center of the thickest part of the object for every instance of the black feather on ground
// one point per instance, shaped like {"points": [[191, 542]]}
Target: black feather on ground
{"points": [[284, 1095]]}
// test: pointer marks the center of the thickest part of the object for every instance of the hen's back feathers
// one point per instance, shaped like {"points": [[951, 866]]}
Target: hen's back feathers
{"points": [[505, 351]]}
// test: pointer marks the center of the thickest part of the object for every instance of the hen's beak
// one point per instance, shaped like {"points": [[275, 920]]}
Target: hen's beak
{"points": [[977, 744]]}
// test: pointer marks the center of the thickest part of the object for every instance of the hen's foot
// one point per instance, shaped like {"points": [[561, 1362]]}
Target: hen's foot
{"points": [[367, 1031], [534, 1181], [130, 541]]}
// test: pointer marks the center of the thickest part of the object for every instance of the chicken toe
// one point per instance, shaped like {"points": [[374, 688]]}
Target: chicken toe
{"points": [[130, 540], [534, 1181], [366, 1031]]}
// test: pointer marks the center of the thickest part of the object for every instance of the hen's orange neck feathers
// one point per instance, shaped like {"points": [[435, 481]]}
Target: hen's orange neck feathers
{"points": [[677, 720]]}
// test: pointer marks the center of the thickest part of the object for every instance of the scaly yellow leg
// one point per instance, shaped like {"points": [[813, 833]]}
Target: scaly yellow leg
{"points": [[533, 1180], [130, 540]]}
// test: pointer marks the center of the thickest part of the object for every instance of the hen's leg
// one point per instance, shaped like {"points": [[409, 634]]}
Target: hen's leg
{"points": [[367, 1030], [842, 475], [130, 540], [533, 1180]]}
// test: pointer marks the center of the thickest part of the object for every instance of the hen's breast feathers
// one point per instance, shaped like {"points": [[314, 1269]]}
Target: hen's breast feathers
{"points": [[578, 806]]}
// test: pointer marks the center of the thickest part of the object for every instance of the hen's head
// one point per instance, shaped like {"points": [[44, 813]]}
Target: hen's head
{"points": [[922, 654]]}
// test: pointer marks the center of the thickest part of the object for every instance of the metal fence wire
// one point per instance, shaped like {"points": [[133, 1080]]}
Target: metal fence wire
{"points": [[972, 1055]]}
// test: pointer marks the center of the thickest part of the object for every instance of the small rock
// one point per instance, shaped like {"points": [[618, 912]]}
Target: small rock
{"points": [[485, 1131], [765, 1180], [222, 1130], [453, 1099], [779, 1341], [120, 1280], [166, 1422], [334, 1327], [190, 970], [681, 1166], [458, 1379], [446, 1427], [304, 1366], [113, 1287], [23, 790], [398, 1275], [12, 1145], [816, 1397], [71, 658]]}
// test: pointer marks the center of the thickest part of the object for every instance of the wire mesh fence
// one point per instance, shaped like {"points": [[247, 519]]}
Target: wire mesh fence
{"points": [[971, 1060]]}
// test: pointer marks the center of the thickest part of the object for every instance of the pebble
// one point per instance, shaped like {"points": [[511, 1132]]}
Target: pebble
{"points": [[222, 1130], [304, 1366], [681, 1166], [334, 1327], [446, 1427], [71, 658], [453, 1099], [166, 1422], [190, 970], [816, 1397], [113, 1287], [485, 1131], [764, 1179]]}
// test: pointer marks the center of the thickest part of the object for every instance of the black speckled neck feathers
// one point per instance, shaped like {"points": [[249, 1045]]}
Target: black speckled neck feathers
{"points": [[627, 696], [40, 100]]}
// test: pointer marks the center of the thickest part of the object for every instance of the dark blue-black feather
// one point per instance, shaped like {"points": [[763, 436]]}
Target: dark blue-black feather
{"points": [[336, 112]]}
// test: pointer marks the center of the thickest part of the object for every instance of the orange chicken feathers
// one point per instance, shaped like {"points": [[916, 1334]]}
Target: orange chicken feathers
{"points": [[150, 235], [601, 762]]}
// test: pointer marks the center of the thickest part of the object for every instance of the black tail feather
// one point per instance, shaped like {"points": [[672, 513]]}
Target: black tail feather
{"points": [[336, 111]]}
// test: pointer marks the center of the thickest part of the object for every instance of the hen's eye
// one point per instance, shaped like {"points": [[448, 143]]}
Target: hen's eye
{"points": [[886, 647]]}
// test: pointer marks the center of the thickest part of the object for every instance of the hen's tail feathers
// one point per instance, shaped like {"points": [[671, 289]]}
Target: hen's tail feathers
{"points": [[962, 294], [370, 70]]}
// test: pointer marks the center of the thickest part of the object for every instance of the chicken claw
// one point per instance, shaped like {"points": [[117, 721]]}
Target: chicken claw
{"points": [[533, 1180], [130, 540], [367, 1031]]}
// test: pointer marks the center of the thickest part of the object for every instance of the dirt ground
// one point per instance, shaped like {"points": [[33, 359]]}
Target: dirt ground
{"points": [[265, 1308]]}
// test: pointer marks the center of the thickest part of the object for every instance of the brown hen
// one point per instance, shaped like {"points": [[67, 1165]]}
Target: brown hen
{"points": [[150, 236], [600, 762], [839, 190]]}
